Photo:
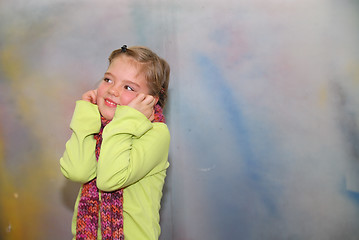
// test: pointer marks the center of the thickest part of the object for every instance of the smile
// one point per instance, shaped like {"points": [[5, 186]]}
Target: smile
{"points": [[110, 103]]}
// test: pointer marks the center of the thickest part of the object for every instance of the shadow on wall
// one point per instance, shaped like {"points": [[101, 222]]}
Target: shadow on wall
{"points": [[69, 194]]}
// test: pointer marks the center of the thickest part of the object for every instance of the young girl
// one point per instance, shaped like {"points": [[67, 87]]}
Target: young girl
{"points": [[119, 149]]}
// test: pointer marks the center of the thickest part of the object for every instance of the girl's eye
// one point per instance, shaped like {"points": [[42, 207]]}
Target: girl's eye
{"points": [[129, 88], [107, 80]]}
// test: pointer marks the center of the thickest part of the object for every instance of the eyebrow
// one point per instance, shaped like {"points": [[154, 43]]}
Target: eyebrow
{"points": [[126, 81]]}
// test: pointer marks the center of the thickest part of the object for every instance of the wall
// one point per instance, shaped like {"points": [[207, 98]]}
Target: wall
{"points": [[263, 112]]}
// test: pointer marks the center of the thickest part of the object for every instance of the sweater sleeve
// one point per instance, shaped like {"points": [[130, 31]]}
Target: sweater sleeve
{"points": [[132, 148], [78, 162]]}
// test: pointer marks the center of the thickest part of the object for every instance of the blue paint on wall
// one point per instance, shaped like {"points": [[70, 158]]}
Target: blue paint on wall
{"points": [[246, 178], [219, 89]]}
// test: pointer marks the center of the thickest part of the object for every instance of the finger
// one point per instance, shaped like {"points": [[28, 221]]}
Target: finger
{"points": [[86, 97], [149, 100], [153, 102], [152, 117], [138, 99], [94, 96], [90, 96], [141, 96]]}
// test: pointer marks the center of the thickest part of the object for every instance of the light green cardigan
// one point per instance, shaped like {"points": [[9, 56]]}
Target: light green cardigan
{"points": [[134, 156]]}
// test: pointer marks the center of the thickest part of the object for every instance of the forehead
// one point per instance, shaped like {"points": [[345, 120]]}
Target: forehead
{"points": [[127, 68], [124, 60]]}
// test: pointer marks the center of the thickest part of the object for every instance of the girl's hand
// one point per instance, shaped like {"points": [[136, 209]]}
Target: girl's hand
{"points": [[145, 104], [90, 96]]}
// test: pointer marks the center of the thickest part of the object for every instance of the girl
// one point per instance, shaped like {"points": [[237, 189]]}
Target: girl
{"points": [[119, 149]]}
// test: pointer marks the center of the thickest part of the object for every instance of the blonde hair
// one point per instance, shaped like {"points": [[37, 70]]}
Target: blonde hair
{"points": [[155, 69]]}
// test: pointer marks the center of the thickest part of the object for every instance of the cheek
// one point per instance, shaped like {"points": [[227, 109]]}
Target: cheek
{"points": [[127, 97], [100, 92]]}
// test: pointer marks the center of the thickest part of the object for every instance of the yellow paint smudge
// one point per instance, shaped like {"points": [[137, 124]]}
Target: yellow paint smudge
{"points": [[21, 207], [12, 65], [21, 203], [353, 69], [323, 96], [24, 201]]}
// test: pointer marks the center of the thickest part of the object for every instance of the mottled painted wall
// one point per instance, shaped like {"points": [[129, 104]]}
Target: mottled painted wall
{"points": [[263, 112]]}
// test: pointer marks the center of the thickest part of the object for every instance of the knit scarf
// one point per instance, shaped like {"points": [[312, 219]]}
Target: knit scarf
{"points": [[110, 206]]}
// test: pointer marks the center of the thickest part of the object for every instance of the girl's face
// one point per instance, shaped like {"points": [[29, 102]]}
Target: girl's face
{"points": [[122, 83]]}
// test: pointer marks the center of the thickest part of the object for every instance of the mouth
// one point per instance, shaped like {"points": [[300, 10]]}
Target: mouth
{"points": [[110, 103]]}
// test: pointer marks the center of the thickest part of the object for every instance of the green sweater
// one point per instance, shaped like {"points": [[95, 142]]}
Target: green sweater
{"points": [[133, 156]]}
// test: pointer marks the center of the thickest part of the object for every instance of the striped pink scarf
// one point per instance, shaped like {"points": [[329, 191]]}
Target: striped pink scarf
{"points": [[110, 206]]}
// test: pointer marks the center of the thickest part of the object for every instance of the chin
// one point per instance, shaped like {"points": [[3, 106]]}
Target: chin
{"points": [[108, 117]]}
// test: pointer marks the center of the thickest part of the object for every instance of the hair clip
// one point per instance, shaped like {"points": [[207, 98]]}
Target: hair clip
{"points": [[124, 48]]}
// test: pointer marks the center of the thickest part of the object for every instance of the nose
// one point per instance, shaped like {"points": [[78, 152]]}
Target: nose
{"points": [[113, 90]]}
